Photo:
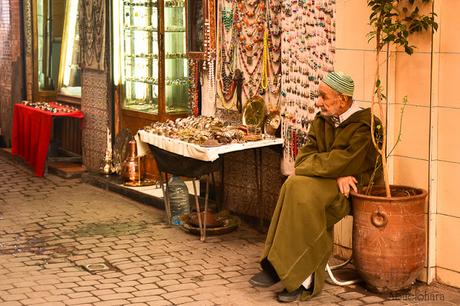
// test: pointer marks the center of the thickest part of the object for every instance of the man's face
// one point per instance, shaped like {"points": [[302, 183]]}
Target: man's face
{"points": [[329, 101]]}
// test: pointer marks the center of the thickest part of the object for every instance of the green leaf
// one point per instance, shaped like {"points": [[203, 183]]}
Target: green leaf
{"points": [[409, 50]]}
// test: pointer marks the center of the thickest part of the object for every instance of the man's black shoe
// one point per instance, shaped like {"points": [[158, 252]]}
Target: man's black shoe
{"points": [[263, 279], [288, 297]]}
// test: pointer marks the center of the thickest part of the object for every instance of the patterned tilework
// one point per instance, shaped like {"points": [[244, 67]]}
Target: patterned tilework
{"points": [[240, 182], [95, 105]]}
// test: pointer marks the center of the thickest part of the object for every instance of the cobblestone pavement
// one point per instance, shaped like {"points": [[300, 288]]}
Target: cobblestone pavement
{"points": [[51, 228]]}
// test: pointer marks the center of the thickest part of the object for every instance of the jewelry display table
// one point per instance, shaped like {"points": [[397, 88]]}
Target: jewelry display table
{"points": [[181, 158], [31, 134]]}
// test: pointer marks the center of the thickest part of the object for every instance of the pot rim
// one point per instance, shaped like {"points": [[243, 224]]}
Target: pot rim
{"points": [[422, 195]]}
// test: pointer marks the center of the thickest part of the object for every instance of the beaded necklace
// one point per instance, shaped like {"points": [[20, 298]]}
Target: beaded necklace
{"points": [[226, 60], [194, 87]]}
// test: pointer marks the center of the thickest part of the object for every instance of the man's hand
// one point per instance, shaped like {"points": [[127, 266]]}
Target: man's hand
{"points": [[345, 182]]}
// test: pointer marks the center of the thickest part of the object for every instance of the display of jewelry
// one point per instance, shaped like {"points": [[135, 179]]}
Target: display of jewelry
{"points": [[53, 107], [308, 49], [202, 130], [249, 38]]}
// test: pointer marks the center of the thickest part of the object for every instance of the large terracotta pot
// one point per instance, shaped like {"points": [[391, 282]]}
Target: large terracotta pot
{"points": [[389, 237]]}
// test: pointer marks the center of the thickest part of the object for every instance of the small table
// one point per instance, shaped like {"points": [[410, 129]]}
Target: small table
{"points": [[191, 160], [31, 133]]}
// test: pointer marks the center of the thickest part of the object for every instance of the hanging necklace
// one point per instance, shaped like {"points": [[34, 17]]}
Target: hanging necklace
{"points": [[227, 59]]}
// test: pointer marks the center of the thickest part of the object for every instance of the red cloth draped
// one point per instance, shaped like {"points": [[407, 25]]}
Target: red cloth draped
{"points": [[32, 132]]}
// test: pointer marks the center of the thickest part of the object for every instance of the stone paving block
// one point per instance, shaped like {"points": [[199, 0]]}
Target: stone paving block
{"points": [[239, 285], [23, 284], [372, 299], [160, 303], [50, 280], [199, 303], [101, 292], [92, 277], [55, 298], [169, 282], [18, 290], [70, 279], [6, 287], [176, 294], [89, 300], [170, 276], [110, 281], [351, 303], [181, 300], [112, 274], [98, 254], [133, 271], [11, 303], [33, 301], [394, 303], [187, 280], [173, 270], [43, 288], [351, 295], [146, 299], [181, 287], [66, 285], [116, 296], [37, 294], [203, 296], [193, 268], [209, 277], [152, 273], [106, 286], [243, 278], [14, 297], [59, 292], [124, 289], [79, 295], [230, 274], [131, 277], [149, 292], [175, 264], [212, 282], [211, 271], [250, 271]]}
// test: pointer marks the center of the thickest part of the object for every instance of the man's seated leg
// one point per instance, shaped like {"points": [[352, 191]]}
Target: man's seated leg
{"points": [[265, 278]]}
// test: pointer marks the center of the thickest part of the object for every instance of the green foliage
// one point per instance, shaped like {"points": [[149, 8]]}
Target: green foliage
{"points": [[394, 21]]}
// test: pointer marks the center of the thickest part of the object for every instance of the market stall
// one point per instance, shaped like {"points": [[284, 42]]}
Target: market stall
{"points": [[176, 156], [32, 130]]}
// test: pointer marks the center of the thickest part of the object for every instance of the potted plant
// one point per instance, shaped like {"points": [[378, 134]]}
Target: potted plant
{"points": [[389, 221]]}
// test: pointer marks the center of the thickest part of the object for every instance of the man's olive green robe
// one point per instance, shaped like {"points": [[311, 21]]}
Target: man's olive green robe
{"points": [[299, 240]]}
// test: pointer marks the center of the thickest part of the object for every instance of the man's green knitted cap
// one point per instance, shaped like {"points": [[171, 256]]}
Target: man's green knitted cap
{"points": [[340, 82]]}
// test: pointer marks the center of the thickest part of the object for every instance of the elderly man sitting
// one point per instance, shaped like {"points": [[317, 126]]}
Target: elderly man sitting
{"points": [[337, 157]]}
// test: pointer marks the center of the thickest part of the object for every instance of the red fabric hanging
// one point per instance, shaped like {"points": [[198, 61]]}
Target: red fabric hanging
{"points": [[32, 132]]}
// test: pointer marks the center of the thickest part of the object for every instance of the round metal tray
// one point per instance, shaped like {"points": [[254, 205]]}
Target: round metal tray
{"points": [[229, 224]]}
